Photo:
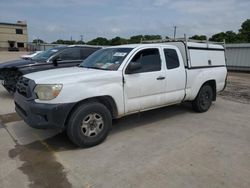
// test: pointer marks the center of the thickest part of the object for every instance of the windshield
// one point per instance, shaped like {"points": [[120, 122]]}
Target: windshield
{"points": [[43, 56], [106, 59]]}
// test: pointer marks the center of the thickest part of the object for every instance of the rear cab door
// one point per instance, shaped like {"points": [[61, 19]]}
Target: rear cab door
{"points": [[175, 75]]}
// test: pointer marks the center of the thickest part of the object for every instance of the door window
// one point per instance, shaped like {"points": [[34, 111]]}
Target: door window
{"points": [[87, 52], [172, 59], [70, 54], [150, 60]]}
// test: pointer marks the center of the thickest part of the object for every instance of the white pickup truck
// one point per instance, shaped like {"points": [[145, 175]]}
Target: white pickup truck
{"points": [[121, 80]]}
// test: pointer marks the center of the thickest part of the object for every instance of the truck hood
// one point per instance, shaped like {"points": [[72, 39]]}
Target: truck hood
{"points": [[17, 63], [70, 75]]}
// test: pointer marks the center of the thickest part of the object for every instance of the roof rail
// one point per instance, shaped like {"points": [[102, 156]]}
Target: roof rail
{"points": [[185, 39]]}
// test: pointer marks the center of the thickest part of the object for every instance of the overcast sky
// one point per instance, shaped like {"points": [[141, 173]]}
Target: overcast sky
{"points": [[60, 19]]}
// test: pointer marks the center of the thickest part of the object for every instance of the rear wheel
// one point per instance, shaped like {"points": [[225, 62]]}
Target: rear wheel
{"points": [[204, 99], [89, 124]]}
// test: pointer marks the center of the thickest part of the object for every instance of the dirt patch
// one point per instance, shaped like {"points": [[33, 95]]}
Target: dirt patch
{"points": [[238, 88], [7, 118], [40, 164]]}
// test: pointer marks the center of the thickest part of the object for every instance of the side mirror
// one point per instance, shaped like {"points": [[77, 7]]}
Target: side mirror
{"points": [[133, 66], [56, 60]]}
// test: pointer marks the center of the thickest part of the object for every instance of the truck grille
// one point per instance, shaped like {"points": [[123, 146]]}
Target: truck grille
{"points": [[23, 88]]}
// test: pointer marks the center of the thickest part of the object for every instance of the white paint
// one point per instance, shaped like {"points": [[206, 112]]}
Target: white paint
{"points": [[140, 91]]}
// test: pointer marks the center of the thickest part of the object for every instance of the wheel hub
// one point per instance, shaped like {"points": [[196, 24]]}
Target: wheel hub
{"points": [[92, 125]]}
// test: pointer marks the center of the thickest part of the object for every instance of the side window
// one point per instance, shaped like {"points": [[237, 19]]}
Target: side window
{"points": [[172, 59], [85, 52], [70, 54], [149, 59]]}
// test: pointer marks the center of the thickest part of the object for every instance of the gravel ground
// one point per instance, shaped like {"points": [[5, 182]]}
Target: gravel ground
{"points": [[238, 87], [168, 147]]}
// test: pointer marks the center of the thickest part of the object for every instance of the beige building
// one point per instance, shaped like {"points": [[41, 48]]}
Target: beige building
{"points": [[13, 36]]}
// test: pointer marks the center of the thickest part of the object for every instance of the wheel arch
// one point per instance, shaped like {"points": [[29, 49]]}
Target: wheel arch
{"points": [[106, 100], [212, 84]]}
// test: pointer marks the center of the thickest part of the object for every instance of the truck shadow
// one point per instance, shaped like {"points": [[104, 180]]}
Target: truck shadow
{"points": [[148, 117], [60, 142]]}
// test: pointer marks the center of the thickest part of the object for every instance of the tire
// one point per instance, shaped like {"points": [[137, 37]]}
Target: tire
{"points": [[89, 124], [204, 99]]}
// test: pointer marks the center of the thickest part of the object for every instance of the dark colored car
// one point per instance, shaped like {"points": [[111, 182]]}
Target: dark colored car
{"points": [[58, 57]]}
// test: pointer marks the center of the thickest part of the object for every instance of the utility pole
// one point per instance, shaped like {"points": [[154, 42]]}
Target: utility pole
{"points": [[81, 38], [175, 28]]}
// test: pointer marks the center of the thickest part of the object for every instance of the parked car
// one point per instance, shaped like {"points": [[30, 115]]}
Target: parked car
{"points": [[31, 55], [58, 57], [117, 81]]}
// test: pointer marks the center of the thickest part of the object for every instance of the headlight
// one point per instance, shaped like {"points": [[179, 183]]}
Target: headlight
{"points": [[47, 91]]}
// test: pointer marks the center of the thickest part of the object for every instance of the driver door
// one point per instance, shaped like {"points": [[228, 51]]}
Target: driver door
{"points": [[144, 88]]}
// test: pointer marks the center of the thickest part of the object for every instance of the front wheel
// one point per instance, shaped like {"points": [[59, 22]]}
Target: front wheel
{"points": [[204, 99], [89, 124]]}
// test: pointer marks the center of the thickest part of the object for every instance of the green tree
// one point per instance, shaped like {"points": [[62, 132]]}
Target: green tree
{"points": [[67, 42], [244, 32], [229, 36], [199, 37], [232, 37], [152, 37], [139, 38], [135, 39], [99, 41], [118, 41]]}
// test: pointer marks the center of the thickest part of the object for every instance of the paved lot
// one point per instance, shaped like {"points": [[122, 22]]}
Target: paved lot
{"points": [[168, 147], [8, 56]]}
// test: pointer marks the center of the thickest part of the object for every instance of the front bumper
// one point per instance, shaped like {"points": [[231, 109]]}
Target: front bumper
{"points": [[42, 116]]}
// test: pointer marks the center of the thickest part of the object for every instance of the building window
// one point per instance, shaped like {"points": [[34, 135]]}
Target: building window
{"points": [[19, 31], [20, 45]]}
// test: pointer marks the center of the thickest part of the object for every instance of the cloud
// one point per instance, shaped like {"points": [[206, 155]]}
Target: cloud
{"points": [[54, 28], [54, 19]]}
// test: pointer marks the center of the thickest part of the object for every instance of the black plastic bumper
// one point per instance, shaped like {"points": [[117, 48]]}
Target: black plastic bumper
{"points": [[42, 116]]}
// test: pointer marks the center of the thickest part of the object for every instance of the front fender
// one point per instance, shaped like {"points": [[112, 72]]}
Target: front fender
{"points": [[77, 91]]}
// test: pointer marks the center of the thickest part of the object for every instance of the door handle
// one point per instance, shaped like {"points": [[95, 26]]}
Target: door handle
{"points": [[160, 78]]}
